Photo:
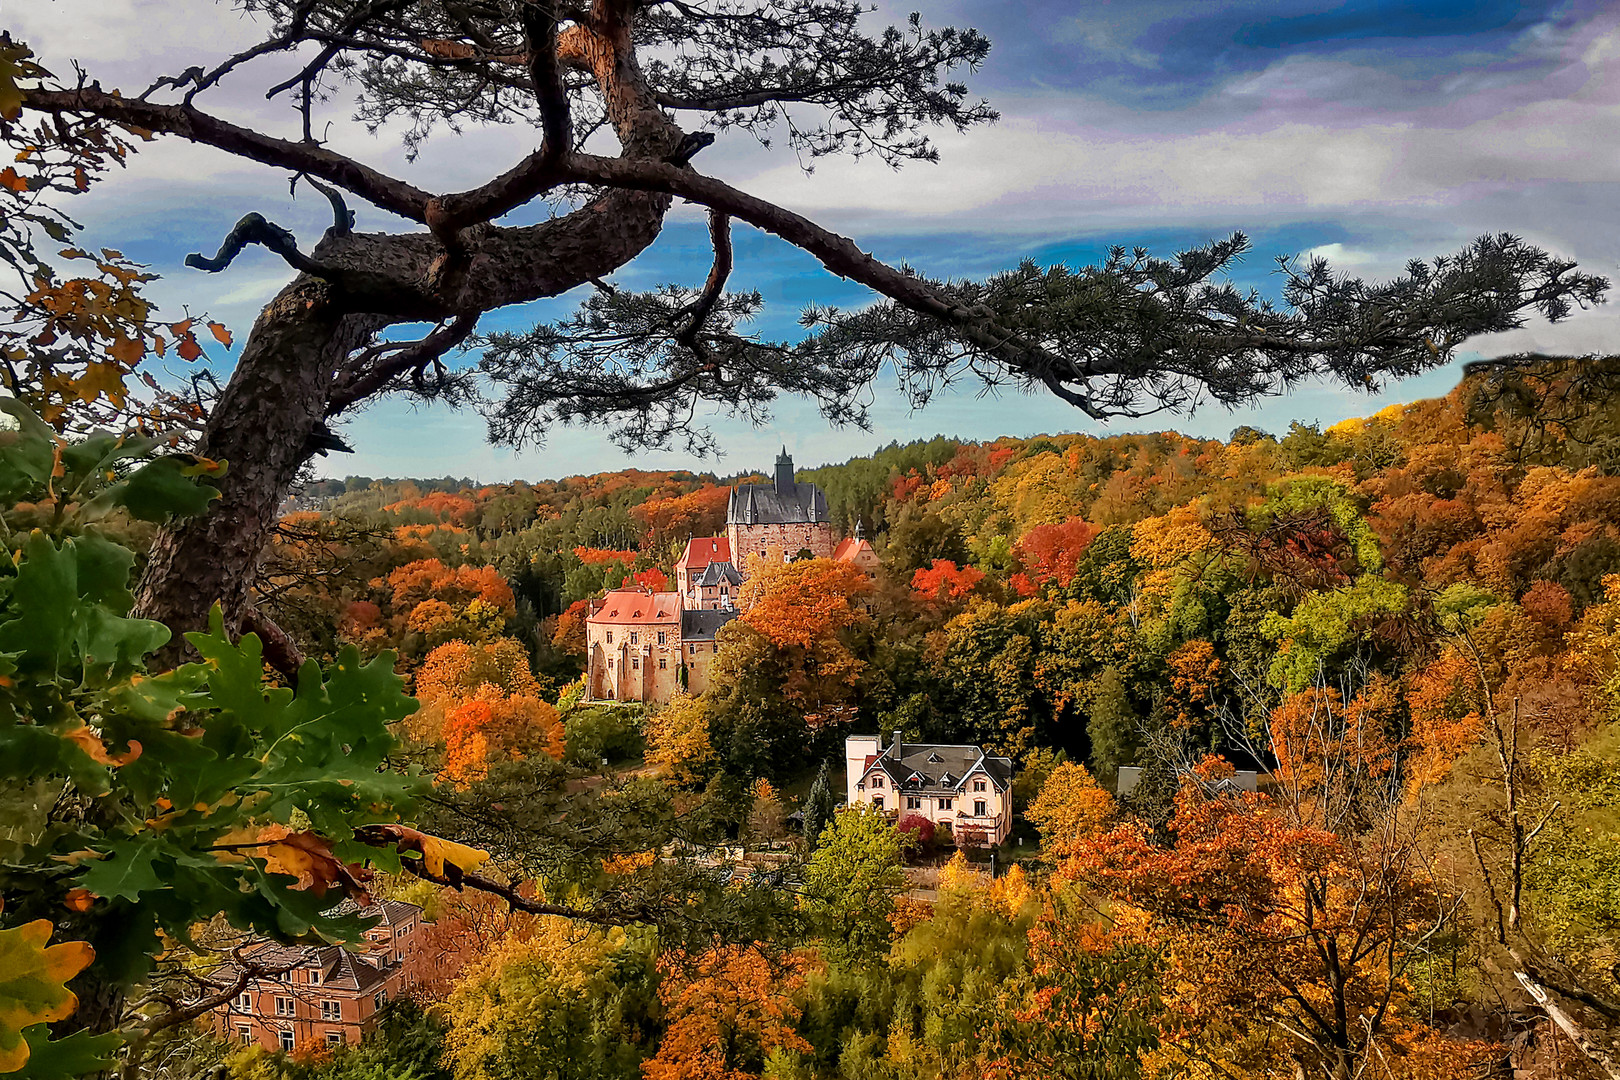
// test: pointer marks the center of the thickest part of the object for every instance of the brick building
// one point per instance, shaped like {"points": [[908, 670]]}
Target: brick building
{"points": [[961, 789], [633, 646], [325, 995], [643, 646], [777, 520]]}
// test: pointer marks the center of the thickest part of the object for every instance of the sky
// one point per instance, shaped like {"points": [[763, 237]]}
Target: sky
{"points": [[1369, 131]]}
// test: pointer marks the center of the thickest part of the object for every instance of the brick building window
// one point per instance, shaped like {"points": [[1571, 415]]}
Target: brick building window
{"points": [[284, 1006], [245, 1001], [244, 1033], [286, 1041], [380, 1000], [330, 1010], [945, 804], [334, 1038], [315, 977]]}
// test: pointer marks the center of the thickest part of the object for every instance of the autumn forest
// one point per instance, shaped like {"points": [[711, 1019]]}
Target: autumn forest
{"points": [[1294, 754]]}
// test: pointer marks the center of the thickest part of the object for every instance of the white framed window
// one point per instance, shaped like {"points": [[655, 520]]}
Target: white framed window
{"points": [[380, 1000], [286, 1040], [284, 1006], [245, 1001], [315, 977], [245, 1034], [331, 1010], [334, 1038], [945, 804]]}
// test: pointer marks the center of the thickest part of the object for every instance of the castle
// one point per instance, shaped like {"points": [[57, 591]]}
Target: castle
{"points": [[645, 646]]}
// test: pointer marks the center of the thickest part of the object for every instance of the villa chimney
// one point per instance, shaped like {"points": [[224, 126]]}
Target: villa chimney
{"points": [[784, 474], [898, 747]]}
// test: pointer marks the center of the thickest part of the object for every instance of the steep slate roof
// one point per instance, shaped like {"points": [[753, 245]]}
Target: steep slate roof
{"points": [[765, 504], [703, 550], [386, 912], [719, 573], [340, 969], [703, 625], [937, 767], [636, 607]]}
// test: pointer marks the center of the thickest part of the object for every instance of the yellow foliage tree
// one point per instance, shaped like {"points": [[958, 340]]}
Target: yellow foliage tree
{"points": [[1070, 809]]}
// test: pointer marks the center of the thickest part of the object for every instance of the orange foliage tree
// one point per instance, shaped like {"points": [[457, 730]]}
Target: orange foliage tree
{"points": [[1052, 552], [697, 513], [493, 727], [944, 581], [1289, 943], [802, 609], [727, 1010]]}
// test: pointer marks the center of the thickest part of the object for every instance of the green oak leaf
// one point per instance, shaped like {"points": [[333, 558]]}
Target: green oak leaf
{"points": [[79, 1054]]}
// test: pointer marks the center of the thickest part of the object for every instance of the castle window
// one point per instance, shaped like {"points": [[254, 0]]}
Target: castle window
{"points": [[714, 648], [662, 663], [635, 637], [610, 637], [661, 640], [635, 662]]}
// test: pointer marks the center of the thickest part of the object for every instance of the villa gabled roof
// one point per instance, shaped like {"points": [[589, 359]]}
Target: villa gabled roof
{"points": [[938, 766]]}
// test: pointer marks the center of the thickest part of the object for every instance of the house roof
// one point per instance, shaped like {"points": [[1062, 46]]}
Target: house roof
{"points": [[703, 625], [851, 548], [938, 767], [386, 912], [765, 504], [719, 573], [703, 550], [340, 969], [636, 607]]}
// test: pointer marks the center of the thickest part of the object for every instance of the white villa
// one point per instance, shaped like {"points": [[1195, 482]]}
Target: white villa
{"points": [[959, 788]]}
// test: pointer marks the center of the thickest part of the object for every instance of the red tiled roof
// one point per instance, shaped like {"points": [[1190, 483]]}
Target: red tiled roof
{"points": [[849, 548], [703, 550], [635, 607]]}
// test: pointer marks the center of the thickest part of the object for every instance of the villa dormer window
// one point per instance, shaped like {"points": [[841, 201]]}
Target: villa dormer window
{"points": [[877, 781], [978, 785]]}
